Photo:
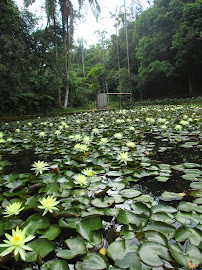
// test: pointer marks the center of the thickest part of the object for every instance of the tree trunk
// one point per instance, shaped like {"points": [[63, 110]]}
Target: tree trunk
{"points": [[126, 29], [67, 47], [82, 55]]}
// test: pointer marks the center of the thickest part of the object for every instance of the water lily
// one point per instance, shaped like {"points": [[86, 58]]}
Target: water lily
{"points": [[178, 127], [88, 172], [130, 144], [40, 167], [95, 130], [1, 134], [80, 179], [57, 132], [48, 204], [13, 209], [118, 135], [104, 141], [42, 134], [2, 140], [17, 130], [81, 147], [87, 139], [123, 157], [16, 243]]}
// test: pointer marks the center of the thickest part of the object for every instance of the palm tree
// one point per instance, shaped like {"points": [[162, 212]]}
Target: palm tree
{"points": [[101, 35], [126, 30], [67, 11], [81, 42]]}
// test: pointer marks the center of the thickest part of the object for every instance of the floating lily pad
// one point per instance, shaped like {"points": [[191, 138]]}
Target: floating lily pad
{"points": [[188, 207], [191, 256], [151, 253], [170, 196], [93, 261], [40, 247], [76, 247], [193, 234], [87, 225], [130, 193], [162, 227], [51, 232], [34, 223], [55, 265], [103, 203]]}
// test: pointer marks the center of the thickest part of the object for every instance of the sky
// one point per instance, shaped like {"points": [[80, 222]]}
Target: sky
{"points": [[88, 26]]}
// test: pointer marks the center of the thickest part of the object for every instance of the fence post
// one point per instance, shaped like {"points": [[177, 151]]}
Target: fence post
{"points": [[101, 101]]}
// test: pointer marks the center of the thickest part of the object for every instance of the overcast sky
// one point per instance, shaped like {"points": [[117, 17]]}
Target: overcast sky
{"points": [[87, 28]]}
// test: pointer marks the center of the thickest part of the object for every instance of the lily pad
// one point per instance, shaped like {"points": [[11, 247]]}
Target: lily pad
{"points": [[35, 222], [170, 196], [103, 203], [93, 261], [51, 232], [55, 265], [130, 193], [193, 234], [76, 247], [40, 247], [151, 253], [191, 256], [162, 227], [87, 225]]}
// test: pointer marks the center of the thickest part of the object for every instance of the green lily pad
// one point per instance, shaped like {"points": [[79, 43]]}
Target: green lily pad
{"points": [[188, 207], [162, 227], [193, 234], [191, 255], [127, 217], [35, 222], [69, 223], [188, 218], [140, 208], [130, 193], [40, 247], [156, 237], [161, 216], [55, 265], [93, 261], [51, 232], [170, 196], [163, 208], [151, 253], [117, 185], [87, 225], [162, 178], [103, 203], [76, 247]]}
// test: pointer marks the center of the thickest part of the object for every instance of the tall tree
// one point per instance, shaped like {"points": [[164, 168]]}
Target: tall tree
{"points": [[67, 11]]}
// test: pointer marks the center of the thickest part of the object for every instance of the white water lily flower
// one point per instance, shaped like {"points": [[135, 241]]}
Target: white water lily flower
{"points": [[48, 204], [104, 141], [130, 144], [88, 172], [1, 134], [16, 243], [40, 167], [164, 127], [123, 157], [42, 134], [17, 130], [81, 147], [118, 135], [2, 140], [184, 122], [77, 137], [80, 179], [87, 139], [9, 140], [131, 128], [57, 132], [13, 209], [95, 130], [178, 127]]}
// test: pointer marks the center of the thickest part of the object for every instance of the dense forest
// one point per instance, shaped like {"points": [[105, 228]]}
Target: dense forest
{"points": [[155, 53]]}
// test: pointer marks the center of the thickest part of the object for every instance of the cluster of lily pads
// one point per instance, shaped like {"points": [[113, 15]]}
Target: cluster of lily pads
{"points": [[80, 202]]}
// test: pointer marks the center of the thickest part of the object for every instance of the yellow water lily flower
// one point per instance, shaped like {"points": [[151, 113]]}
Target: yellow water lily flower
{"points": [[88, 172], [130, 144], [123, 157], [48, 204], [104, 141], [80, 179], [13, 209], [40, 167], [16, 243]]}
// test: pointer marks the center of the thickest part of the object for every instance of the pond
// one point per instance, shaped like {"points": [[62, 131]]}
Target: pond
{"points": [[109, 190]]}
